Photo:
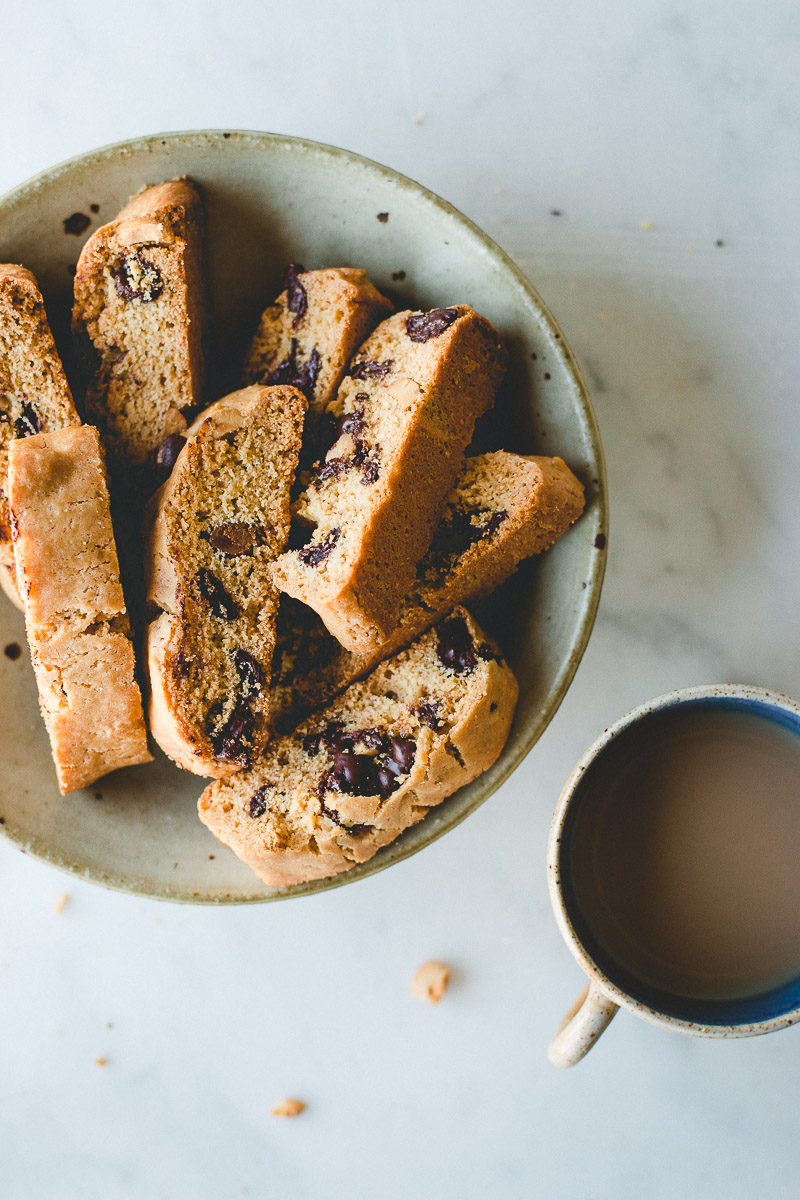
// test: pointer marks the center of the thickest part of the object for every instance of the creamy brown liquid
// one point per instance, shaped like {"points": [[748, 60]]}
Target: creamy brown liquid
{"points": [[686, 852]]}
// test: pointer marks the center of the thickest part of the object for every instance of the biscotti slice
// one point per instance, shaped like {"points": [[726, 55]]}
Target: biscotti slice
{"points": [[308, 336], [34, 394], [504, 508], [359, 772], [139, 314], [219, 521], [75, 615], [405, 414]]}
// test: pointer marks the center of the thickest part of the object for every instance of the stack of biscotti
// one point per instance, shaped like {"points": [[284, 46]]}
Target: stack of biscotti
{"points": [[372, 763], [504, 508]]}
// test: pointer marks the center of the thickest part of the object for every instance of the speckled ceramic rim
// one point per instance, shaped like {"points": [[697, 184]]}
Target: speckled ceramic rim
{"points": [[399, 850], [771, 704]]}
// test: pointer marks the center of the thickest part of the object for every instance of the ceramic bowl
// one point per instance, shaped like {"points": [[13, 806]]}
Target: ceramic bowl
{"points": [[272, 200]]}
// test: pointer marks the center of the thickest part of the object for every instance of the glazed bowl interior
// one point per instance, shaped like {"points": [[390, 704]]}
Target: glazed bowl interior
{"points": [[273, 200]]}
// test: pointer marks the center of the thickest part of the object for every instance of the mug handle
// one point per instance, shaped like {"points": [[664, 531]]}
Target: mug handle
{"points": [[591, 1013]]}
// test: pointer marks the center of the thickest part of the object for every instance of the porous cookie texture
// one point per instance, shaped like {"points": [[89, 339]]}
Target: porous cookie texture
{"points": [[504, 508], [218, 523], [34, 394], [139, 314], [75, 615], [308, 336], [404, 416], [351, 778]]}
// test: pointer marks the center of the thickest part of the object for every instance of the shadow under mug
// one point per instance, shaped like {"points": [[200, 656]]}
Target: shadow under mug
{"points": [[610, 987]]}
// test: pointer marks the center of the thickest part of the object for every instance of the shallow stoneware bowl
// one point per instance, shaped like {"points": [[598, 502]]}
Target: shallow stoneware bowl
{"points": [[273, 200]]}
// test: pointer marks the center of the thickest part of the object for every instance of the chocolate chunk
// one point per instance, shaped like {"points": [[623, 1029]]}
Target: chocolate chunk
{"points": [[354, 773], [454, 646], [28, 423], [297, 300], [313, 555], [371, 370], [137, 278], [220, 603], [364, 774], [95, 208], [334, 468], [368, 458], [168, 453], [403, 753], [234, 538], [250, 674], [423, 326], [351, 423], [398, 276], [599, 542], [77, 223], [13, 650], [257, 804], [428, 713], [303, 376], [383, 218], [233, 742], [372, 738]]}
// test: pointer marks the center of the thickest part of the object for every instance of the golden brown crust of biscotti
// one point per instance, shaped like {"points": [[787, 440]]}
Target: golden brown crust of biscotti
{"points": [[75, 615], [140, 304], [406, 413], [34, 394], [218, 523], [504, 508], [355, 775], [313, 329]]}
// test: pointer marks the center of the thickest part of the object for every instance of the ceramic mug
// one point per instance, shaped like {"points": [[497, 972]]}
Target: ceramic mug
{"points": [[611, 987]]}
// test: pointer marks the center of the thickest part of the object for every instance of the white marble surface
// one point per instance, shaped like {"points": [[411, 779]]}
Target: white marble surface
{"points": [[676, 116]]}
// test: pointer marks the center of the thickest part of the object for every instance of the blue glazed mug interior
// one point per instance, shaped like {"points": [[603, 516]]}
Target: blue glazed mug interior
{"points": [[592, 784]]}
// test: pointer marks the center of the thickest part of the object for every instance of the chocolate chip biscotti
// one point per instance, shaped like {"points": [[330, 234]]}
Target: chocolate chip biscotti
{"points": [[34, 393], [75, 615], [218, 523], [504, 508], [139, 314], [405, 412], [355, 775]]}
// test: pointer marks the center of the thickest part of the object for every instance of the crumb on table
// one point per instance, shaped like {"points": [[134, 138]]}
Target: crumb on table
{"points": [[430, 981], [288, 1108]]}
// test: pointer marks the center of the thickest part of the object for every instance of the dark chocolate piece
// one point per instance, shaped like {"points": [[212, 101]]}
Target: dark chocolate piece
{"points": [[423, 326], [211, 589], [297, 300], [313, 555]]}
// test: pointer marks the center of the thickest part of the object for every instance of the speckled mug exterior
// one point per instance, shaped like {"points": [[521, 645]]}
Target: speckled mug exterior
{"points": [[602, 998], [272, 200]]}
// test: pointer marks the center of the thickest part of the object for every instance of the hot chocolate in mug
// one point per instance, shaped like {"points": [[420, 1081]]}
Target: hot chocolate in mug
{"points": [[673, 868]]}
